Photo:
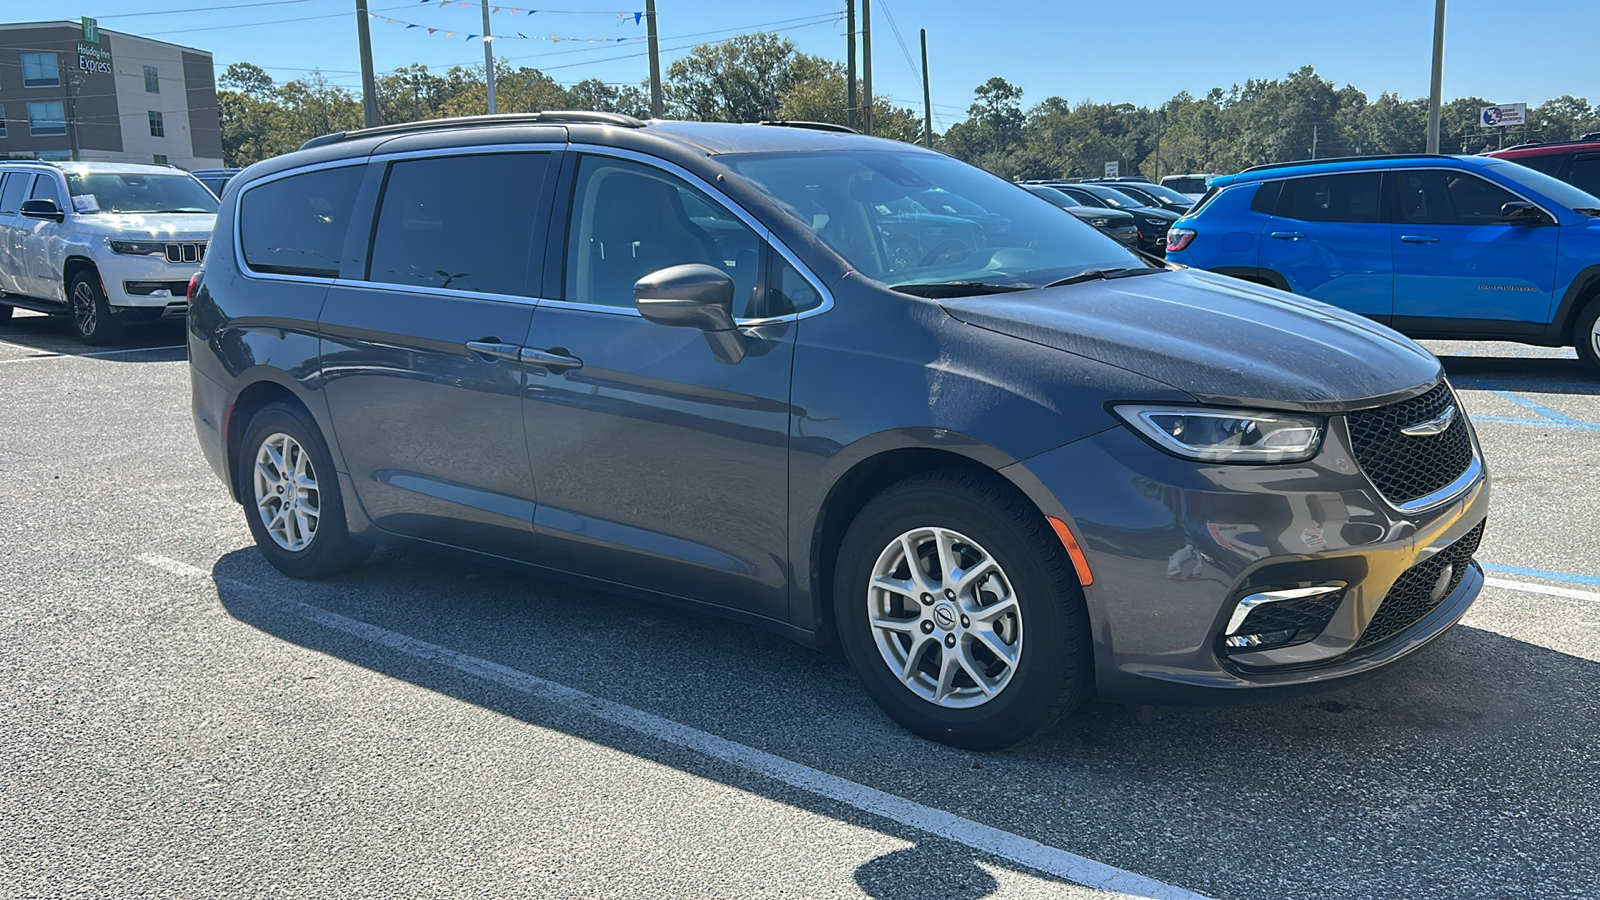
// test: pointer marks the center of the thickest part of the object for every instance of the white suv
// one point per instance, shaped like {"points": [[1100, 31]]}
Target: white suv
{"points": [[111, 244]]}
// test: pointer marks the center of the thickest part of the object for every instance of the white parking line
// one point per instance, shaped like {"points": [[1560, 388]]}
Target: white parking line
{"points": [[1532, 588], [983, 838], [53, 355]]}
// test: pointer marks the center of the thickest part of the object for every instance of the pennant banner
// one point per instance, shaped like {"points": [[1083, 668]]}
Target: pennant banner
{"points": [[517, 11], [519, 36]]}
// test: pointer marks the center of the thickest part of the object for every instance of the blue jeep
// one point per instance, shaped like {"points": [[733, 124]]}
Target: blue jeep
{"points": [[1433, 246]]}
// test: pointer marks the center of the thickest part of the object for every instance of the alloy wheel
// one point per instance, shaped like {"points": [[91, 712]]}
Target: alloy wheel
{"points": [[944, 617], [84, 314], [286, 492]]}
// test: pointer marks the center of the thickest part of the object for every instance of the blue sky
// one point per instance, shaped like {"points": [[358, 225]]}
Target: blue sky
{"points": [[1141, 53]]}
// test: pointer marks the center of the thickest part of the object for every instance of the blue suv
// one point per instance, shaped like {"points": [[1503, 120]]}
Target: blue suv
{"points": [[1433, 246]]}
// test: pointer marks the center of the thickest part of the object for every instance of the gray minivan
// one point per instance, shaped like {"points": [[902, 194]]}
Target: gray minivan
{"points": [[1008, 469]]}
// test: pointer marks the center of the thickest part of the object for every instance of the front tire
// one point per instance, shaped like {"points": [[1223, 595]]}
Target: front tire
{"points": [[291, 495], [959, 611], [91, 311], [1586, 335]]}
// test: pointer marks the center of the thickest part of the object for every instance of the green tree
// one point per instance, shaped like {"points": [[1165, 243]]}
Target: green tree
{"points": [[742, 79]]}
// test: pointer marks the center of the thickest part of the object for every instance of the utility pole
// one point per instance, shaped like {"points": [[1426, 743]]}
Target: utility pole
{"points": [[70, 81], [488, 57], [369, 85], [927, 96], [866, 65], [1314, 140], [655, 58], [850, 62], [1438, 77]]}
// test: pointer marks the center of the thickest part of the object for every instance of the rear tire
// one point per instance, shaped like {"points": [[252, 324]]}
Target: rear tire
{"points": [[91, 312], [291, 495], [1013, 627], [1586, 335]]}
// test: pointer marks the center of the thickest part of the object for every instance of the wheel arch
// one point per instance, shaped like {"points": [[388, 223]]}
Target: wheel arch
{"points": [[1581, 291], [1255, 275], [852, 491], [249, 402], [70, 268]]}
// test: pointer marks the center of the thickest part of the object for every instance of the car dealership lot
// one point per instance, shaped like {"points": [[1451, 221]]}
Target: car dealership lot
{"points": [[180, 719]]}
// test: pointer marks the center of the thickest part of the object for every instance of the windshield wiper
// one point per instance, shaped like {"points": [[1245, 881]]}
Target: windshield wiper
{"points": [[937, 289], [1589, 211], [1101, 274]]}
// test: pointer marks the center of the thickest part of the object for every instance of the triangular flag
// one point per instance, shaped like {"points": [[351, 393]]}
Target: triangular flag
{"points": [[409, 27], [433, 31], [554, 38], [449, 34], [637, 16], [488, 38], [471, 36]]}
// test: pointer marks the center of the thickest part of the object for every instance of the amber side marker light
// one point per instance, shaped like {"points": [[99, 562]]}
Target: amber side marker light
{"points": [[1079, 562]]}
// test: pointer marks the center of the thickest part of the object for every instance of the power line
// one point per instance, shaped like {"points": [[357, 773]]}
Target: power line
{"points": [[169, 12], [340, 15]]}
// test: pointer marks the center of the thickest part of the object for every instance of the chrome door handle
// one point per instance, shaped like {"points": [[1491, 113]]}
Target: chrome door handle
{"points": [[550, 361], [491, 350], [1419, 239], [1288, 235]]}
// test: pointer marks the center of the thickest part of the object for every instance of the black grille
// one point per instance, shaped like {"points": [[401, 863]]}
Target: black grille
{"points": [[1412, 596], [1404, 468], [1308, 616], [187, 252]]}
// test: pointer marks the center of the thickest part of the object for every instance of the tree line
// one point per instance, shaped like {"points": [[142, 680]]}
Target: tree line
{"points": [[763, 76]]}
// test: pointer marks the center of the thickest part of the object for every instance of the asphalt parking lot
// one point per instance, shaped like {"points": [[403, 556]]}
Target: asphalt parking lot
{"points": [[177, 719]]}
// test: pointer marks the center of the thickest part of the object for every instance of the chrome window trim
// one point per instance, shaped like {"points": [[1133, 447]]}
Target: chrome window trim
{"points": [[238, 228], [722, 200], [1380, 171], [434, 292]]}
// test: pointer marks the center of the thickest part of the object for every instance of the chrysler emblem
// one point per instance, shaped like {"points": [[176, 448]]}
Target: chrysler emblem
{"points": [[1433, 426]]}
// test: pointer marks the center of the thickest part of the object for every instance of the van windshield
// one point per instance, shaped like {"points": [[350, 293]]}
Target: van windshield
{"points": [[138, 192], [921, 218]]}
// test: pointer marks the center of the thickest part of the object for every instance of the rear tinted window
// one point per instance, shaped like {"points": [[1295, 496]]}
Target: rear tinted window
{"points": [[1549, 164], [1585, 173], [1334, 198], [1266, 200], [296, 225], [460, 222]]}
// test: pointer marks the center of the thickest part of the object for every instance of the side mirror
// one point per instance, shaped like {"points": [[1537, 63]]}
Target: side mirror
{"points": [[1521, 212], [693, 296], [42, 209]]}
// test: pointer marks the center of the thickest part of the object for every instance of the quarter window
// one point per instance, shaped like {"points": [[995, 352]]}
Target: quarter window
{"points": [[48, 118], [40, 70], [1334, 198], [464, 223], [297, 225], [790, 292], [629, 220], [1443, 197]]}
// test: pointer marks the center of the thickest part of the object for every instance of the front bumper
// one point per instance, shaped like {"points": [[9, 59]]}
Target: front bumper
{"points": [[1175, 545], [145, 282]]}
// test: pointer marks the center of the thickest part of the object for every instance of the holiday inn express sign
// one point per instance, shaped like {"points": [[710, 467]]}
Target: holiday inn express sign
{"points": [[93, 58]]}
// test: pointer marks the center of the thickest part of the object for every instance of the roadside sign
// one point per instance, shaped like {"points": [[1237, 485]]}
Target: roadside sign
{"points": [[1504, 114], [91, 31], [1113, 169]]}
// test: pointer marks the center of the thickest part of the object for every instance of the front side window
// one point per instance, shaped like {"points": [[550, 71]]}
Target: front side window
{"points": [[152, 80], [40, 70], [45, 188], [912, 217], [47, 118], [297, 225], [1442, 197], [158, 128], [464, 223], [138, 192], [629, 220]]}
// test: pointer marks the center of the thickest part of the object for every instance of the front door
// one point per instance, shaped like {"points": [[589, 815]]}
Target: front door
{"points": [[1328, 239], [43, 249], [658, 465], [1457, 265], [14, 188], [421, 356]]}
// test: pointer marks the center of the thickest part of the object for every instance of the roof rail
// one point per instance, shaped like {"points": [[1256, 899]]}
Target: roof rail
{"points": [[33, 162], [547, 117], [1534, 142], [1338, 159], [814, 126]]}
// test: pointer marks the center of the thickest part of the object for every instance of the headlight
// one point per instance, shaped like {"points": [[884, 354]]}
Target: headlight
{"points": [[1157, 222], [1227, 435], [139, 248]]}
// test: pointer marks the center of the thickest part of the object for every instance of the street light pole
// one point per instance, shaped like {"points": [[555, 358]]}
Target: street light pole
{"points": [[488, 57], [1438, 77]]}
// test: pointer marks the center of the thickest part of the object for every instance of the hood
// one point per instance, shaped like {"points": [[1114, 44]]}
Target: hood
{"points": [[1220, 340], [1156, 212], [1114, 218], [134, 226]]}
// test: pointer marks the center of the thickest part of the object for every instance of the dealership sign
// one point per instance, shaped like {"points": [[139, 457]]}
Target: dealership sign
{"points": [[1503, 115]]}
